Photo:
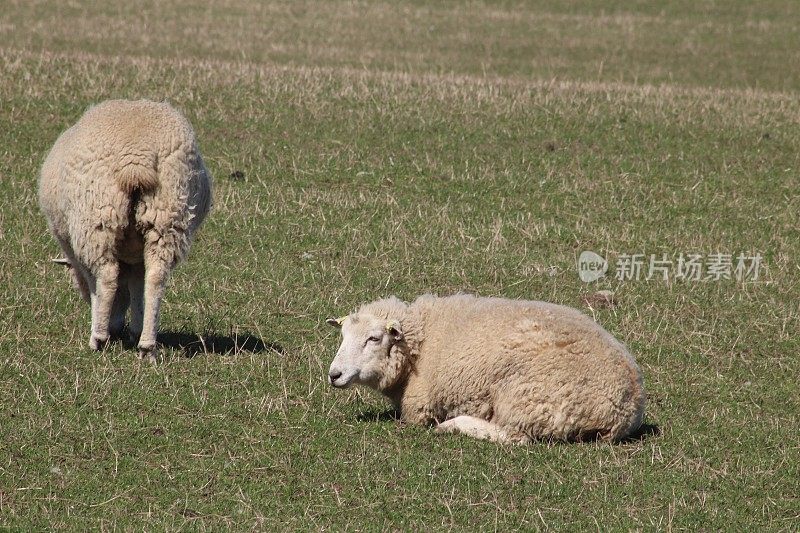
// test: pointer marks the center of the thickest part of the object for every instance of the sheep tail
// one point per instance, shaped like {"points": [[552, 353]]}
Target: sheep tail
{"points": [[136, 174]]}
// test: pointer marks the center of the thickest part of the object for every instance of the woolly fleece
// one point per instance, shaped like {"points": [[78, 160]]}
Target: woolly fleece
{"points": [[124, 191], [508, 370]]}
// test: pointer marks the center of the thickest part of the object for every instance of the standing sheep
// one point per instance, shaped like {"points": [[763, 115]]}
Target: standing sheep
{"points": [[505, 370], [124, 191]]}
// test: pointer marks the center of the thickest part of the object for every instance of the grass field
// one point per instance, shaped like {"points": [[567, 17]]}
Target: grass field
{"points": [[387, 148]]}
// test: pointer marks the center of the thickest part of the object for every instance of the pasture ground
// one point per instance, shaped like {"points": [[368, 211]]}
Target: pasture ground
{"points": [[373, 148]]}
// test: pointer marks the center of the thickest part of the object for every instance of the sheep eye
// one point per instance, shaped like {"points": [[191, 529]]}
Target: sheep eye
{"points": [[374, 339]]}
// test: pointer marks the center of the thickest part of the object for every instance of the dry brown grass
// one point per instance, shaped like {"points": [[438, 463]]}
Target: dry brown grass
{"points": [[377, 157]]}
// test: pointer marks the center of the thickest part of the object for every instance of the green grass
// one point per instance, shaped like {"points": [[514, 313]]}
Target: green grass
{"points": [[402, 149]]}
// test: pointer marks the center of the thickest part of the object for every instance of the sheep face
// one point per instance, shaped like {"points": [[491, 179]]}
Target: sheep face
{"points": [[364, 356]]}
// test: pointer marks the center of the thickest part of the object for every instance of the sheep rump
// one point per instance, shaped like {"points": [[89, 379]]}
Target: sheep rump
{"points": [[506, 370], [124, 191]]}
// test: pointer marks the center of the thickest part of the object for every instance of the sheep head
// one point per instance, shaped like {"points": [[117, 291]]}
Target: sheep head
{"points": [[365, 356]]}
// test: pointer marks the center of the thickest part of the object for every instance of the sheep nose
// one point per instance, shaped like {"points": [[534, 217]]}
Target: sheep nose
{"points": [[333, 375]]}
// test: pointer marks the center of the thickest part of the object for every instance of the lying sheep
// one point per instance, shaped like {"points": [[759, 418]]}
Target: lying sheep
{"points": [[504, 370], [124, 191]]}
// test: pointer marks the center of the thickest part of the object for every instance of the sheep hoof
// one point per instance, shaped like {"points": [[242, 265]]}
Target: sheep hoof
{"points": [[149, 353], [97, 343]]}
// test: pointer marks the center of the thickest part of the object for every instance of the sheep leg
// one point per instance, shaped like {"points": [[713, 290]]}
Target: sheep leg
{"points": [[474, 427], [80, 282], [136, 293], [155, 281], [105, 290], [75, 271], [120, 306]]}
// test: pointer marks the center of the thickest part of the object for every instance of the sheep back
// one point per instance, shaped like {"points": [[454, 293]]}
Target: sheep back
{"points": [[126, 171], [536, 369]]}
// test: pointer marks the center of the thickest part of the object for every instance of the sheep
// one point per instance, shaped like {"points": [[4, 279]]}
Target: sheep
{"points": [[511, 371], [124, 191]]}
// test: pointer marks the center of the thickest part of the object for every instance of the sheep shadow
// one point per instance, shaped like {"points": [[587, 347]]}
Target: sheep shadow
{"points": [[645, 431], [192, 344], [388, 415], [208, 343]]}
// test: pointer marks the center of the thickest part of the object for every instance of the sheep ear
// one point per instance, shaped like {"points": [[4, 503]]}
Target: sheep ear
{"points": [[62, 261], [394, 329], [335, 322]]}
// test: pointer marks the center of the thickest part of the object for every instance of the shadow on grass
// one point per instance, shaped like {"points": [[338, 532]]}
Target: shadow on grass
{"points": [[378, 416], [208, 343], [644, 432]]}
